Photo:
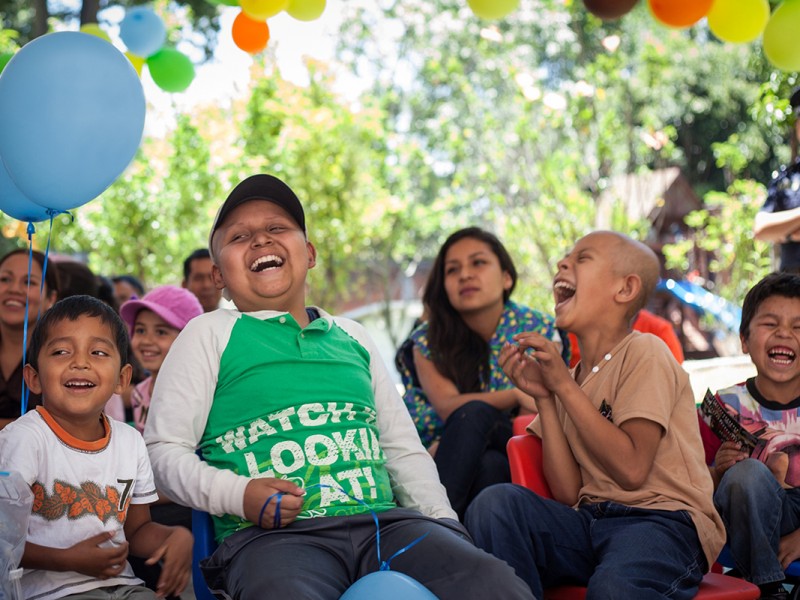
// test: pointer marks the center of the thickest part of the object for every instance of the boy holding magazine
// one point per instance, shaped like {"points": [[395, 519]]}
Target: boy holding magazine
{"points": [[756, 478]]}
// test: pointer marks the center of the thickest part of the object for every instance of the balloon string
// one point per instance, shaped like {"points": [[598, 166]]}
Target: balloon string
{"points": [[52, 214], [264, 507], [31, 230], [23, 400], [382, 565]]}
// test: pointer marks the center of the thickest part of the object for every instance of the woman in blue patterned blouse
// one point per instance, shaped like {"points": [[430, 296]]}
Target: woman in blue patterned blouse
{"points": [[458, 395]]}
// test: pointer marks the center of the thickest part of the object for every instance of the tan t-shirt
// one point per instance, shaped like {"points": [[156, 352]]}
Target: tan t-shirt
{"points": [[641, 379]]}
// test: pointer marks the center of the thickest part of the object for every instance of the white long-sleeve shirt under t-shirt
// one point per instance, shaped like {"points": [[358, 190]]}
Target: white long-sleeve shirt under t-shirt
{"points": [[259, 396]]}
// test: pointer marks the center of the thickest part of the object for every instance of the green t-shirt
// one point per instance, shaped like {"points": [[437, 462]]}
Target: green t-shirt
{"points": [[298, 404]]}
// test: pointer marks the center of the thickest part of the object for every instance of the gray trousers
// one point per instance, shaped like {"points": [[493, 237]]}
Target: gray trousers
{"points": [[318, 559], [118, 592]]}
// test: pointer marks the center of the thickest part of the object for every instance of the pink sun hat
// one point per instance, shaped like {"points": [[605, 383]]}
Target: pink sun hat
{"points": [[175, 305]]}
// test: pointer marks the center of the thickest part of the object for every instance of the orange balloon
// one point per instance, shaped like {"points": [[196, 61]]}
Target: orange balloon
{"points": [[679, 13], [249, 35]]}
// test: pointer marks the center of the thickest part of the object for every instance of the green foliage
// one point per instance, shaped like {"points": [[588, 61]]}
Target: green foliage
{"points": [[724, 228], [32, 18], [8, 41], [334, 158], [519, 125], [153, 216]]}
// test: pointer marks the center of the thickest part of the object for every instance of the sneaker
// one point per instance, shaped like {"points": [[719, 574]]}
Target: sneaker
{"points": [[773, 591]]}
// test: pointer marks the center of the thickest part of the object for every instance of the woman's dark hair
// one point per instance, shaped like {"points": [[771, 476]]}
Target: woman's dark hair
{"points": [[131, 281], [71, 309], [51, 278], [458, 352]]}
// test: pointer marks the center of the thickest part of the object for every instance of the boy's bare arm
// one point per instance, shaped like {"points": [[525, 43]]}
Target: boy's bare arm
{"points": [[560, 468], [96, 557], [172, 546], [625, 452]]}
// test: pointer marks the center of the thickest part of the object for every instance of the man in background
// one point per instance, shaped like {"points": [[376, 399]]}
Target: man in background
{"points": [[197, 279]]}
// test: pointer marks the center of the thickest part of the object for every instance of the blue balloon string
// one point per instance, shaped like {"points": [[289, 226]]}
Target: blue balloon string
{"points": [[52, 214], [276, 520], [31, 230], [23, 401], [382, 565], [264, 507]]}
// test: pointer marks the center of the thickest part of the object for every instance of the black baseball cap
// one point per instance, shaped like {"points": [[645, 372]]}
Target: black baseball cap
{"points": [[260, 187]]}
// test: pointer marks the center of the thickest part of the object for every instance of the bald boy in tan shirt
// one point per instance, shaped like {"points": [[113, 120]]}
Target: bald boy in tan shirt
{"points": [[622, 454]]}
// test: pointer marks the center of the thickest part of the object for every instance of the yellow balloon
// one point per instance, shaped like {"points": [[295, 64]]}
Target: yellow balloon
{"points": [[94, 29], [136, 61], [738, 21], [306, 10], [261, 10], [780, 36], [493, 9]]}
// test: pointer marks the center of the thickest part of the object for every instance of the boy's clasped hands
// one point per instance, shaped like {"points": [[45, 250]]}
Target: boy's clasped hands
{"points": [[102, 557], [534, 365]]}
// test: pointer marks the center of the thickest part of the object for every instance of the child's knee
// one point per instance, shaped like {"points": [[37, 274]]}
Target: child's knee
{"points": [[747, 479], [497, 504], [746, 473]]}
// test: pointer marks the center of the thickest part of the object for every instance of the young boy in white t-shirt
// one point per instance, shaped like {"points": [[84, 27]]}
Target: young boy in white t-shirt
{"points": [[90, 475]]}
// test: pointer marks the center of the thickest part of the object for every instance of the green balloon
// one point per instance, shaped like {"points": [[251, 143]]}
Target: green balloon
{"points": [[171, 70], [493, 9], [4, 58], [780, 36], [225, 2]]}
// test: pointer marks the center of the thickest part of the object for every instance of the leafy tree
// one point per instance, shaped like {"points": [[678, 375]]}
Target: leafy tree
{"points": [[724, 228], [334, 158], [332, 154], [520, 124], [153, 216], [32, 18]]}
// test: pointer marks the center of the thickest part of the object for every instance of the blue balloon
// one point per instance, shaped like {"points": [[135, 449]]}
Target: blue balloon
{"points": [[14, 203], [387, 585], [142, 31], [72, 114]]}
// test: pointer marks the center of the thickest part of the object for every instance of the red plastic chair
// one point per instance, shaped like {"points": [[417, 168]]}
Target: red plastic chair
{"points": [[525, 458], [520, 423]]}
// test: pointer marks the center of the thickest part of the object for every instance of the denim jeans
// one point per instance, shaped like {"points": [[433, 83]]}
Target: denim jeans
{"points": [[472, 452], [757, 512], [616, 551]]}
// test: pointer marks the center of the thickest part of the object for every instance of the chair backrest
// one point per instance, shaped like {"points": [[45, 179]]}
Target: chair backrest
{"points": [[525, 460], [204, 546], [519, 424]]}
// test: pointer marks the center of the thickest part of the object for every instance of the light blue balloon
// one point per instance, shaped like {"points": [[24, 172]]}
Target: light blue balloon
{"points": [[72, 114], [14, 203], [387, 585], [142, 31]]}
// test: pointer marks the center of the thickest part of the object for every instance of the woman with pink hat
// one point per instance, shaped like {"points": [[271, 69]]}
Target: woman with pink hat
{"points": [[154, 322]]}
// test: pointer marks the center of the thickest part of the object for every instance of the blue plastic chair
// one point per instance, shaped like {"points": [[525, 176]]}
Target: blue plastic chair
{"points": [[204, 546], [792, 571]]}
